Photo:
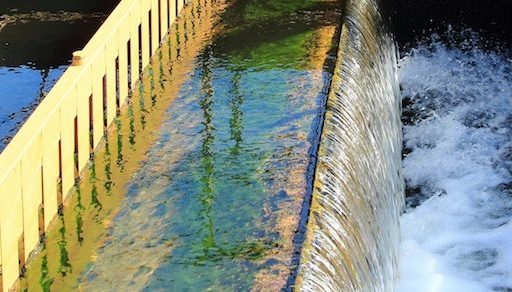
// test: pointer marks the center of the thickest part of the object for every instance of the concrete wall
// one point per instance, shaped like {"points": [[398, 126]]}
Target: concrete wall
{"points": [[40, 165]]}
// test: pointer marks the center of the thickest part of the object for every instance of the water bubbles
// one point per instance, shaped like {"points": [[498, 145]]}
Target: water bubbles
{"points": [[457, 130]]}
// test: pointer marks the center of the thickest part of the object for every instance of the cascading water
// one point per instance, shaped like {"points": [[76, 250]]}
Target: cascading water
{"points": [[457, 131], [353, 231], [456, 86]]}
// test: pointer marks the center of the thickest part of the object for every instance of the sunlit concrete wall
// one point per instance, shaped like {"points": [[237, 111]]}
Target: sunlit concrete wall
{"points": [[42, 162]]}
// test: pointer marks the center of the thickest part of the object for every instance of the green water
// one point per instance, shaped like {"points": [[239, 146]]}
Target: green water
{"points": [[216, 197]]}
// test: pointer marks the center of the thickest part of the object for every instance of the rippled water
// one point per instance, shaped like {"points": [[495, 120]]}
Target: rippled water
{"points": [[201, 183], [36, 42]]}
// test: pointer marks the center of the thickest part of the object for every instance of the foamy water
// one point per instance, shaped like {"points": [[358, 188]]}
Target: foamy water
{"points": [[457, 230]]}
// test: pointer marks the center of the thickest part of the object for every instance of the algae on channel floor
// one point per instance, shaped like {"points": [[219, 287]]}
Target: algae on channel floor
{"points": [[213, 197]]}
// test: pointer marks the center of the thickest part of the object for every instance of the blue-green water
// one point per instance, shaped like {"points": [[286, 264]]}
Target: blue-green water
{"points": [[203, 208], [216, 199]]}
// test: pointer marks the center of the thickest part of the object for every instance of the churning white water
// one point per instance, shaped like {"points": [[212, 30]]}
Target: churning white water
{"points": [[457, 229]]}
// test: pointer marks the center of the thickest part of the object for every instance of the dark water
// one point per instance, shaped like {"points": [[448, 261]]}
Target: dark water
{"points": [[36, 42], [418, 20], [202, 182]]}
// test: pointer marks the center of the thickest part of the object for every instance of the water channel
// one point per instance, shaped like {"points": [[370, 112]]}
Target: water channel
{"points": [[204, 180], [203, 177]]}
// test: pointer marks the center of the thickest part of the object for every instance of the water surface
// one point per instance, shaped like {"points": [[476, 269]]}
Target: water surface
{"points": [[456, 90], [37, 39], [201, 183]]}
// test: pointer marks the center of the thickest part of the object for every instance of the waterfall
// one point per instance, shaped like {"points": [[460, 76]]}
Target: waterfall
{"points": [[352, 237]]}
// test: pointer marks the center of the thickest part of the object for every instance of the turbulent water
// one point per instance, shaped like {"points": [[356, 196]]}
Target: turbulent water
{"points": [[353, 233], [458, 129]]}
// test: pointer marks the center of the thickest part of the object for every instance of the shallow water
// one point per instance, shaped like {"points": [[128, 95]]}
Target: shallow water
{"points": [[202, 182]]}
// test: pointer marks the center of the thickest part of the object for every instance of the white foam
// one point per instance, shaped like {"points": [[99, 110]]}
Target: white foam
{"points": [[460, 237]]}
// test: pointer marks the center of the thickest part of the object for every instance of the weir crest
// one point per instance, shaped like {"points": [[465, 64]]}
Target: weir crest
{"points": [[353, 232]]}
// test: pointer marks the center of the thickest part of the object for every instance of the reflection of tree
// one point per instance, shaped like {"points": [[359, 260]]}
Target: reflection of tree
{"points": [[152, 92], [108, 171], [64, 264], [193, 18], [79, 210], [178, 42], [236, 121], [185, 30], [131, 123], [45, 281], [160, 75], [169, 53], [119, 142], [209, 251], [95, 202], [208, 193], [199, 10], [142, 100]]}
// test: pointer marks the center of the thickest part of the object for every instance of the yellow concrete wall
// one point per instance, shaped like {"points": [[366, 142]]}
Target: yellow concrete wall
{"points": [[29, 165]]}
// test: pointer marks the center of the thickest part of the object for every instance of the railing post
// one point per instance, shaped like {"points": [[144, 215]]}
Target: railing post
{"points": [[78, 58]]}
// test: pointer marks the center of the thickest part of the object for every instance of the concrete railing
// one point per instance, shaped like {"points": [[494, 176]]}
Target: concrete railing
{"points": [[41, 163]]}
